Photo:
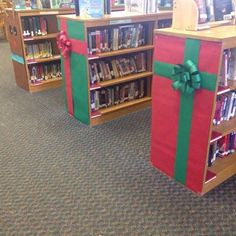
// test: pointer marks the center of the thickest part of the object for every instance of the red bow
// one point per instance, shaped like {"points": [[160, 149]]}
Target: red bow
{"points": [[64, 44]]}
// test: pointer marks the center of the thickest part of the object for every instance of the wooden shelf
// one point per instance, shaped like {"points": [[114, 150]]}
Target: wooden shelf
{"points": [[225, 127], [121, 80], [119, 110], [231, 86], [215, 136], [123, 105], [44, 85], [34, 12], [42, 60], [43, 37], [224, 168], [120, 52]]}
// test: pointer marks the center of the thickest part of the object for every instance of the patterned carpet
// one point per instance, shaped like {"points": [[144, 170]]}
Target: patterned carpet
{"points": [[59, 177]]}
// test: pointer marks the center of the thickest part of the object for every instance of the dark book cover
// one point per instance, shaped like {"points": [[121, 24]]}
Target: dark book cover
{"points": [[222, 9]]}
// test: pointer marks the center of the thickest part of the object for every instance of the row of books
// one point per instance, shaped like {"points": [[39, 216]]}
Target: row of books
{"points": [[107, 97], [43, 72], [222, 148], [106, 70], [225, 107], [165, 23], [228, 67], [126, 36], [147, 6], [34, 26], [214, 10], [38, 50]]}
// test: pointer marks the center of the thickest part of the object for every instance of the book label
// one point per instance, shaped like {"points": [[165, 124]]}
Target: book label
{"points": [[117, 22]]}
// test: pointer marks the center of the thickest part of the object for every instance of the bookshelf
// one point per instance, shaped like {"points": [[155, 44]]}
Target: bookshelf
{"points": [[46, 67], [120, 69], [183, 154]]}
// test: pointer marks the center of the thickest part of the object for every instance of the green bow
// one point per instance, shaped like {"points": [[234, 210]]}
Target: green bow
{"points": [[186, 77]]}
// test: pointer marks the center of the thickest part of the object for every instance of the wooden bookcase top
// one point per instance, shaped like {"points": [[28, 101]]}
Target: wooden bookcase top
{"points": [[119, 18], [33, 12], [224, 34]]}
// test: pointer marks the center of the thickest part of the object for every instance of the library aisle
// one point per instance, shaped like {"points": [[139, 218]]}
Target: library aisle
{"points": [[59, 177]]}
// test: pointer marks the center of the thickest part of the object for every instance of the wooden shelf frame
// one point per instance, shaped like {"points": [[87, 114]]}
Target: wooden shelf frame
{"points": [[18, 42], [225, 127], [224, 168], [43, 60], [120, 52], [42, 37]]}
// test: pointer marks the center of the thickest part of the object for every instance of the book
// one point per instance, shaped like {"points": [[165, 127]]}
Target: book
{"points": [[232, 65], [202, 9], [146, 6], [19, 4], [223, 9], [62, 4], [91, 8]]}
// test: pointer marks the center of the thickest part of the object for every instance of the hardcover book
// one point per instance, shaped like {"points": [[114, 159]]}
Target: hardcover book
{"points": [[91, 8]]}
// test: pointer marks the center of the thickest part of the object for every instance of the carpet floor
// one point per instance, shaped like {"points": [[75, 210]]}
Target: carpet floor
{"points": [[60, 177]]}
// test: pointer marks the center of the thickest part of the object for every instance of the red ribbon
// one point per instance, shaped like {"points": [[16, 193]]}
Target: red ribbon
{"points": [[64, 44]]}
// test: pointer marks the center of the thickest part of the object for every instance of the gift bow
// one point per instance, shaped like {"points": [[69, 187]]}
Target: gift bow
{"points": [[186, 77], [64, 44]]}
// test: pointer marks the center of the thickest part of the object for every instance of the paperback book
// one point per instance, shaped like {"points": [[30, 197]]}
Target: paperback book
{"points": [[91, 8]]}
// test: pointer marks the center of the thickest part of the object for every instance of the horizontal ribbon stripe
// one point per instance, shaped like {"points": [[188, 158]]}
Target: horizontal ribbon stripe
{"points": [[79, 47], [208, 81], [76, 30], [80, 87]]}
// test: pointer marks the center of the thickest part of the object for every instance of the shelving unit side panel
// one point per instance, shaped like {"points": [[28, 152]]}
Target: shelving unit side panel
{"points": [[218, 62], [13, 26], [182, 154]]}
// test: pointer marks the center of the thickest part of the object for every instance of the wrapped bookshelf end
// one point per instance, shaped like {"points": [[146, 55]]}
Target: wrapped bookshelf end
{"points": [[108, 71], [199, 146], [202, 14]]}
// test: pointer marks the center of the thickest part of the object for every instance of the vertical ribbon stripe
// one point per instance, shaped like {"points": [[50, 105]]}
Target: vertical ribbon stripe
{"points": [[192, 47], [80, 87], [67, 72], [76, 30]]}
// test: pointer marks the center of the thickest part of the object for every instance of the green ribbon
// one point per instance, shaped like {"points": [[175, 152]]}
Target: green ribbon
{"points": [[186, 77]]}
